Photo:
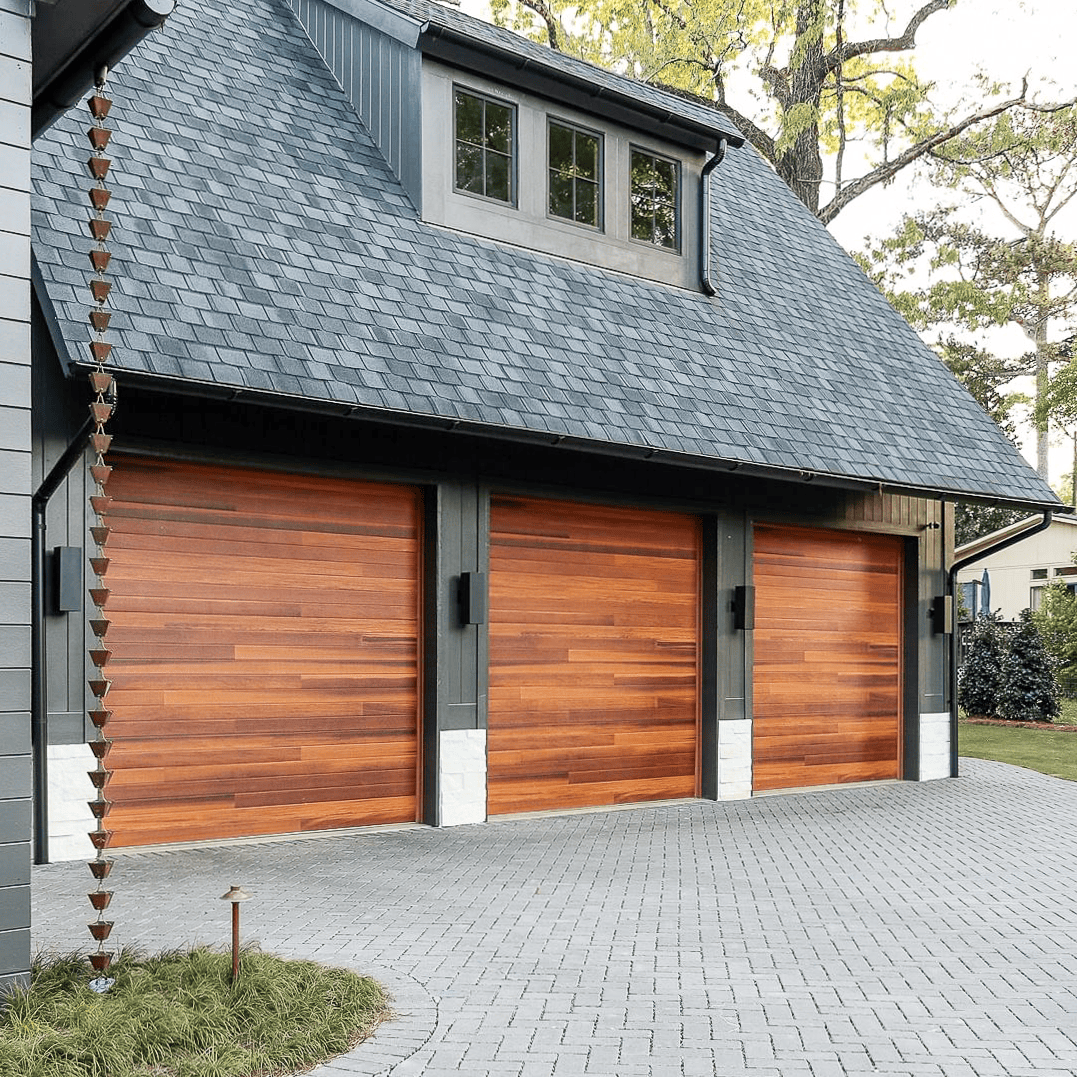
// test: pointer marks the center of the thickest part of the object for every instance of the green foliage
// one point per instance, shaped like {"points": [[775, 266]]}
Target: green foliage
{"points": [[177, 1015], [1029, 689], [1023, 166], [973, 521], [1056, 620], [812, 77], [980, 680]]}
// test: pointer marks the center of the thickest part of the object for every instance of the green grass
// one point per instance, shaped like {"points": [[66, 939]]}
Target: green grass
{"points": [[177, 1015], [1046, 750]]}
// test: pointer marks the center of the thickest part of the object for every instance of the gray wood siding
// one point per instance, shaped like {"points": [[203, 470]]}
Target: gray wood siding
{"points": [[381, 78], [15, 763], [60, 410]]}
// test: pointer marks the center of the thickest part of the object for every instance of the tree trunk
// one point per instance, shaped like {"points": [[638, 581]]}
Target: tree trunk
{"points": [[1043, 296], [801, 165]]}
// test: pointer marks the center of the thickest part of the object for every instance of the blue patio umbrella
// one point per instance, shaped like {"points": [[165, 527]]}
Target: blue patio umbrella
{"points": [[985, 592]]}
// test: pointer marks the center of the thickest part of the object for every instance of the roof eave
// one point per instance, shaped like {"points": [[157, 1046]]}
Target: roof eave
{"points": [[503, 65], [642, 453]]}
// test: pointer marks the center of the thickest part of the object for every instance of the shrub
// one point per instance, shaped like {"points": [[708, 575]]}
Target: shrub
{"points": [[1029, 689], [980, 680]]}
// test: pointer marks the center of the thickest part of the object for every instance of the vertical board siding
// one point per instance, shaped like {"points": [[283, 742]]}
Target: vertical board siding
{"points": [[15, 489], [594, 655], [264, 638], [827, 678], [381, 78]]}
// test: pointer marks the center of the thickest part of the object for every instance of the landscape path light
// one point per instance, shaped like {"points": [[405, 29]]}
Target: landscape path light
{"points": [[235, 896]]}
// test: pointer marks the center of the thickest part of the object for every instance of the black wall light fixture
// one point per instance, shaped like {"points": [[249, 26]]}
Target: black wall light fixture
{"points": [[744, 608], [473, 600]]}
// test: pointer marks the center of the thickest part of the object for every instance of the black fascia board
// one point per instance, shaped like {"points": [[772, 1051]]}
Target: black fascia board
{"points": [[723, 466], [524, 73]]}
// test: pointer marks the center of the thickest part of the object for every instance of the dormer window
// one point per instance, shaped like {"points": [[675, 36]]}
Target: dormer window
{"points": [[655, 199], [485, 146], [575, 163]]}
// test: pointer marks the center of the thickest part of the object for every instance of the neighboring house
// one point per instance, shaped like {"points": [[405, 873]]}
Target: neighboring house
{"points": [[48, 53], [495, 434], [1018, 574]]}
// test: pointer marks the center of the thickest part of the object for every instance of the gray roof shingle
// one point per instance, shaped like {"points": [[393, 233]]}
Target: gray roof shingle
{"points": [[261, 241]]}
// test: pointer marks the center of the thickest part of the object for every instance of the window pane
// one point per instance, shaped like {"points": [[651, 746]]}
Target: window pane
{"points": [[469, 168], [641, 222], [665, 175], [560, 148], [665, 226], [587, 202], [468, 118], [642, 174], [586, 156], [560, 195], [497, 177], [498, 127]]}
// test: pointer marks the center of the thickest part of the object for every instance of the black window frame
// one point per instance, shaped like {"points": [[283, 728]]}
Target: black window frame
{"points": [[678, 174], [513, 154], [599, 181]]}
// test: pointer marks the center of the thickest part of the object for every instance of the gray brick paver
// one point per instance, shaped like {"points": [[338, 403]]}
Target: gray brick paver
{"points": [[755, 939]]}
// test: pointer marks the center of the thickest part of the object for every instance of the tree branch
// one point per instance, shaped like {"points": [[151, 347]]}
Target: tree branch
{"points": [[915, 152], [544, 12], [840, 54]]}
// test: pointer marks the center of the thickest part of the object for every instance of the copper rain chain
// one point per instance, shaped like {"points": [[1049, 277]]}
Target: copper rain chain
{"points": [[103, 386]]}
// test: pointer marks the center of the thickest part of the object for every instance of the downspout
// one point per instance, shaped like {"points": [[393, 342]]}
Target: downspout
{"points": [[1048, 515], [705, 282], [39, 708]]}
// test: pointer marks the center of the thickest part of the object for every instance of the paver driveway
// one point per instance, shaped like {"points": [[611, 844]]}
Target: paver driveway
{"points": [[893, 929]]}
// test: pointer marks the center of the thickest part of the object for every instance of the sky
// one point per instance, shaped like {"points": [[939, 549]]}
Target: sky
{"points": [[1006, 40]]}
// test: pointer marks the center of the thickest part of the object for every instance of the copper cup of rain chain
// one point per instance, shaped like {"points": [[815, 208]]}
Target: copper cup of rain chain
{"points": [[100, 868], [99, 899], [100, 838], [100, 961], [101, 930]]}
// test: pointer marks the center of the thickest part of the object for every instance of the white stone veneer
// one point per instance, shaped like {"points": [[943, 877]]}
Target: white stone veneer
{"points": [[735, 759], [462, 778], [70, 790], [934, 746]]}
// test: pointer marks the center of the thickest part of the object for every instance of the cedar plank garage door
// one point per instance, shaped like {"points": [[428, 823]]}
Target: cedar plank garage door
{"points": [[263, 638], [593, 655], [827, 678]]}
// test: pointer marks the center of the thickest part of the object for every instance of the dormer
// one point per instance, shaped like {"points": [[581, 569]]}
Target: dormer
{"points": [[496, 136]]}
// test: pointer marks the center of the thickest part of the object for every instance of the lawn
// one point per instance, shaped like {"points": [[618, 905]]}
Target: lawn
{"points": [[178, 1015], [1046, 750]]}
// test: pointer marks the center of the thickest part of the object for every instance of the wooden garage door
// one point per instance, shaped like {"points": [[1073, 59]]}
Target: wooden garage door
{"points": [[593, 655], [263, 638], [827, 642]]}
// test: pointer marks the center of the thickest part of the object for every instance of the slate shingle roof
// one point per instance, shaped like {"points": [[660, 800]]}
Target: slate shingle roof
{"points": [[262, 242]]}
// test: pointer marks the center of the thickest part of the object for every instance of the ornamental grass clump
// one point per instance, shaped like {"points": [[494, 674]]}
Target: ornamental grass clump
{"points": [[177, 1014]]}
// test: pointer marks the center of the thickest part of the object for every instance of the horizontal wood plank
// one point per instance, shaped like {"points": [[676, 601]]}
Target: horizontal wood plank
{"points": [[264, 652], [827, 643], [594, 621]]}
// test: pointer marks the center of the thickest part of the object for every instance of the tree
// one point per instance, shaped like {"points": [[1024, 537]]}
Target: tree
{"points": [[820, 81], [1056, 620], [980, 681], [1023, 166], [1029, 689]]}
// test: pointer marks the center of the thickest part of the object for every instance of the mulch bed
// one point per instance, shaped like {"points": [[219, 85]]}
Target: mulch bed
{"points": [[1022, 725]]}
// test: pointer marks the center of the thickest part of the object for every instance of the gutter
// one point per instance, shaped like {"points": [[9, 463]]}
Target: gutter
{"points": [[951, 591], [39, 704], [105, 49], [637, 451], [705, 281]]}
